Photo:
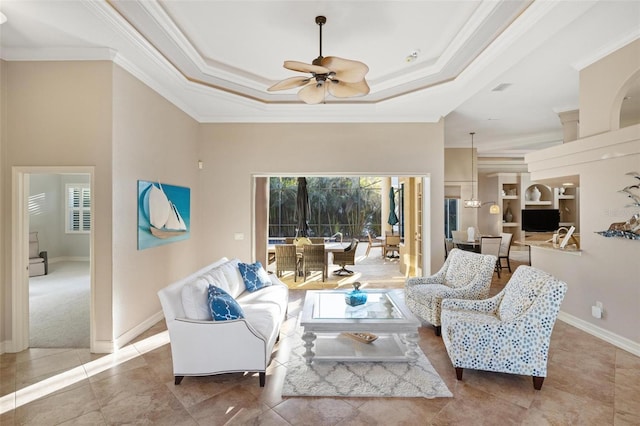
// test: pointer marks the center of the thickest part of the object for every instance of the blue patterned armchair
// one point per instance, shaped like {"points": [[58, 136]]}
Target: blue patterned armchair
{"points": [[464, 275], [508, 333]]}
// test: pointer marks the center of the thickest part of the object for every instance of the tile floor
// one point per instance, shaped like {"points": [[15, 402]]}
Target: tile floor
{"points": [[589, 382]]}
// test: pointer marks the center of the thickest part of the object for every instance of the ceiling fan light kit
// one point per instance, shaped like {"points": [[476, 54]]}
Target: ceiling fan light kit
{"points": [[342, 78]]}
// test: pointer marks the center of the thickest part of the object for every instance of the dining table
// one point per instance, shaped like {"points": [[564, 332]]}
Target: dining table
{"points": [[329, 247], [468, 245]]}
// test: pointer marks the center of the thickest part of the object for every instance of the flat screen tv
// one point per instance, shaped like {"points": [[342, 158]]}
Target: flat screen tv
{"points": [[540, 220]]}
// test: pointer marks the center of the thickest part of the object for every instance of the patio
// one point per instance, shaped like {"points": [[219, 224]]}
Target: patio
{"points": [[373, 270]]}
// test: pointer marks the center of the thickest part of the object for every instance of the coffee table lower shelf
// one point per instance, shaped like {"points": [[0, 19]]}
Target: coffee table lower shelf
{"points": [[339, 347]]}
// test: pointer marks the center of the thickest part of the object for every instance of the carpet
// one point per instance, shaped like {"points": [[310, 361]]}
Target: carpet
{"points": [[59, 307], [361, 379]]}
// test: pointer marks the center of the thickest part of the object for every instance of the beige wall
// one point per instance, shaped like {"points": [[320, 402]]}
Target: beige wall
{"points": [[233, 153], [607, 269], [59, 113], [96, 114], [152, 140], [5, 305], [603, 85], [457, 166]]}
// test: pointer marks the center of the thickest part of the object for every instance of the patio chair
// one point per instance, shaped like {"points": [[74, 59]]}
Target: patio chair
{"points": [[317, 240], [392, 244], [491, 245], [344, 258], [313, 259], [464, 275], [373, 244], [508, 333], [286, 260], [505, 249]]}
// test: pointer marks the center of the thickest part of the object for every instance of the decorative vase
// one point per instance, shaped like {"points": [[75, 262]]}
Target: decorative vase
{"points": [[355, 297], [535, 194], [508, 216]]}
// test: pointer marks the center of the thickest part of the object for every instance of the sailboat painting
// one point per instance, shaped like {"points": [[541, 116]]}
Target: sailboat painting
{"points": [[163, 213]]}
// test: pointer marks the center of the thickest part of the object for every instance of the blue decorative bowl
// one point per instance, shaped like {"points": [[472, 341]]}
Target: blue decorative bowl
{"points": [[355, 297]]}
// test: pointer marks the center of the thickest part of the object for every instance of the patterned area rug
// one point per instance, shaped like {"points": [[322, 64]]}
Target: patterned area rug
{"points": [[362, 379]]}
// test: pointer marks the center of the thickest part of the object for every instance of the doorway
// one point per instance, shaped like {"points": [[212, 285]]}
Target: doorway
{"points": [[261, 216], [56, 203]]}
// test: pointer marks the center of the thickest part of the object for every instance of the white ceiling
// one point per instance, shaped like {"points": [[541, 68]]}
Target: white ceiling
{"points": [[215, 59]]}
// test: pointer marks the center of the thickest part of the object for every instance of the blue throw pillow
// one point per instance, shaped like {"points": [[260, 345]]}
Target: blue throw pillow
{"points": [[254, 276], [223, 306]]}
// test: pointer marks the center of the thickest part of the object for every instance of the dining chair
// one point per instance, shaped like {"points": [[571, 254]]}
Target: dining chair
{"points": [[391, 244], [286, 259], [459, 235], [505, 249], [491, 245], [448, 246], [313, 259], [373, 244]]}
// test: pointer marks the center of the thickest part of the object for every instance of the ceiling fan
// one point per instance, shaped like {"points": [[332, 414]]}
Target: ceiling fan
{"points": [[342, 78]]}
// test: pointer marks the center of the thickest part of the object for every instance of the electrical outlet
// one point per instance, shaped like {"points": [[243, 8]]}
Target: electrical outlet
{"points": [[596, 310], [238, 236]]}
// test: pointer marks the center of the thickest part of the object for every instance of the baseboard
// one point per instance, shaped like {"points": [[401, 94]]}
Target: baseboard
{"points": [[102, 347], [2, 347], [138, 330], [69, 259], [616, 340]]}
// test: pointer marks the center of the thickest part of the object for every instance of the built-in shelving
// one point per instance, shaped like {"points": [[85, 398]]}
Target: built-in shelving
{"points": [[514, 192], [509, 196], [566, 201]]}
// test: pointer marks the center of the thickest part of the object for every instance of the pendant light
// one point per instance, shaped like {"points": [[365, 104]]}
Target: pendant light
{"points": [[473, 202]]}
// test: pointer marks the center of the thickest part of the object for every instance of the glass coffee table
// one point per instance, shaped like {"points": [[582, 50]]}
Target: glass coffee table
{"points": [[327, 322]]}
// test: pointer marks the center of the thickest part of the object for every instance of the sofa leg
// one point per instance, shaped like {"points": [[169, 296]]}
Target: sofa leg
{"points": [[537, 382], [178, 379], [438, 330], [262, 375]]}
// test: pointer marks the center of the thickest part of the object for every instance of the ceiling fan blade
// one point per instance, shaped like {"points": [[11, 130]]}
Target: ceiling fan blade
{"points": [[341, 89], [289, 83], [302, 67], [346, 70], [313, 93]]}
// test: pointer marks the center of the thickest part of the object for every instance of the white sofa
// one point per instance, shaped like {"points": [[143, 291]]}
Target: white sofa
{"points": [[201, 346]]}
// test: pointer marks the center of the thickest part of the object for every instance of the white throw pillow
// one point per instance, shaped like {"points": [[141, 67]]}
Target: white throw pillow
{"points": [[234, 279], [218, 279], [195, 300]]}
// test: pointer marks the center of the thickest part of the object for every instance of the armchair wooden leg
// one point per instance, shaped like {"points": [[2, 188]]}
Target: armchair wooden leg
{"points": [[178, 379], [459, 373], [537, 382], [438, 330], [262, 375]]}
